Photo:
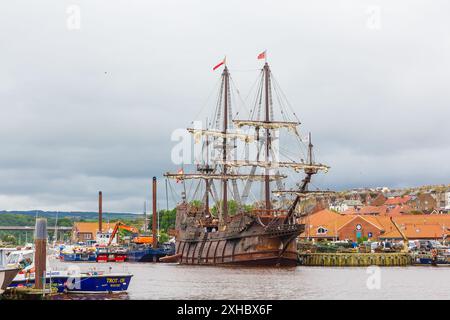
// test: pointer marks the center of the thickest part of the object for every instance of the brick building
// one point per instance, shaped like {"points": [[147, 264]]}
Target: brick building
{"points": [[379, 200], [423, 202], [87, 231], [330, 225]]}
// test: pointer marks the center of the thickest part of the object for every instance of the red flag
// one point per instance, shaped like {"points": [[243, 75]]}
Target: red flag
{"points": [[219, 64], [262, 55]]}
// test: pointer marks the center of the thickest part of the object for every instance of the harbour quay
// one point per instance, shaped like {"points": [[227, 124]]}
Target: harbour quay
{"points": [[355, 259]]}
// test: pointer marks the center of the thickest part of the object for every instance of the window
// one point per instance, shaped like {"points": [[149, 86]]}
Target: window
{"points": [[322, 230]]}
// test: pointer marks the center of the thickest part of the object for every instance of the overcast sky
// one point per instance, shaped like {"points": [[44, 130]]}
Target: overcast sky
{"points": [[92, 106]]}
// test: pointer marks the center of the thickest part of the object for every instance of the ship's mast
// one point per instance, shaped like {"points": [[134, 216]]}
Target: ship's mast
{"points": [[225, 76], [267, 119], [206, 180], [265, 122], [310, 147], [205, 168], [304, 187]]}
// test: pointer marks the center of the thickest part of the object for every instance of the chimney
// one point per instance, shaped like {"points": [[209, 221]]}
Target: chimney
{"points": [[100, 212], [154, 220]]}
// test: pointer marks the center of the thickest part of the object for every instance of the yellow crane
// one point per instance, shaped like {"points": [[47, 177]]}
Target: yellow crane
{"points": [[405, 239]]}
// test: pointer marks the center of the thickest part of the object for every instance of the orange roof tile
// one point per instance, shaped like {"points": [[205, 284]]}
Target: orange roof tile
{"points": [[91, 227], [327, 219], [367, 210], [397, 200], [418, 231], [370, 219], [415, 226], [398, 210]]}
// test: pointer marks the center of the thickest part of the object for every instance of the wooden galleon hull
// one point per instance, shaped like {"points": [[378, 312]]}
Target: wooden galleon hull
{"points": [[246, 250]]}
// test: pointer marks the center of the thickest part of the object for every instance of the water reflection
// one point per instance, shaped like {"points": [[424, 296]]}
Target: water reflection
{"points": [[96, 296], [173, 281]]}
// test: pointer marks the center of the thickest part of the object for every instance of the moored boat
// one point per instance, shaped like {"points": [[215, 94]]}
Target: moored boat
{"points": [[6, 274], [148, 254], [20, 259], [78, 254], [78, 257], [89, 282], [233, 154], [111, 255], [435, 259], [6, 277]]}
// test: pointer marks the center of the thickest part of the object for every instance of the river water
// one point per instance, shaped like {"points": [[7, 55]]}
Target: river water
{"points": [[173, 281]]}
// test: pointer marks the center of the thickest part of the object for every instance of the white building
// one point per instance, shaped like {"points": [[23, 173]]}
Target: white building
{"points": [[346, 204], [447, 200]]}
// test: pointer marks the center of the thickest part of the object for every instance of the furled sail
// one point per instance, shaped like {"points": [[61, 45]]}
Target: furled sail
{"points": [[198, 133], [297, 166], [218, 176], [271, 125]]}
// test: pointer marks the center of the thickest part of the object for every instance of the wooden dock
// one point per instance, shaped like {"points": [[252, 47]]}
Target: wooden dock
{"points": [[355, 259], [25, 293]]}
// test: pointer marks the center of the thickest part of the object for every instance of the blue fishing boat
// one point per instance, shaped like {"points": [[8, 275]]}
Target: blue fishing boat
{"points": [[429, 259], [78, 257], [149, 254], [91, 282], [77, 253]]}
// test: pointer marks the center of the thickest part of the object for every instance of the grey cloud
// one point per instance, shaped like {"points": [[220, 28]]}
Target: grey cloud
{"points": [[93, 109]]}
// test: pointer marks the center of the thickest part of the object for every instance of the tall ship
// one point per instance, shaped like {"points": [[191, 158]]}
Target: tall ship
{"points": [[241, 210]]}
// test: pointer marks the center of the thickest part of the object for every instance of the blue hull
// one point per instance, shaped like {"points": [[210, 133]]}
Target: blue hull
{"points": [[83, 283], [429, 261], [77, 257], [425, 261], [147, 255]]}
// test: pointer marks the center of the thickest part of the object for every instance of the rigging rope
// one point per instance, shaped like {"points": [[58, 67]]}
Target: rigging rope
{"points": [[277, 87], [214, 89]]}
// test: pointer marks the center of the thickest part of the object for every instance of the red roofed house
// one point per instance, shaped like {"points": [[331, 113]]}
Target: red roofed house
{"points": [[424, 202], [378, 201], [392, 202], [398, 210], [330, 225], [367, 210], [87, 231]]}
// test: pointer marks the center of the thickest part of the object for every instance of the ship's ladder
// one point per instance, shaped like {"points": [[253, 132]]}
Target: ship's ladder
{"points": [[202, 246]]}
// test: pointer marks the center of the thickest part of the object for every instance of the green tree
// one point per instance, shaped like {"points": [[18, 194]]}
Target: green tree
{"points": [[361, 240], [196, 203], [233, 207], [163, 237], [9, 239], [166, 220]]}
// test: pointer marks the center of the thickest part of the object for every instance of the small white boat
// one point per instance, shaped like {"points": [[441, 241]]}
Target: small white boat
{"points": [[20, 259], [6, 274], [6, 277]]}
